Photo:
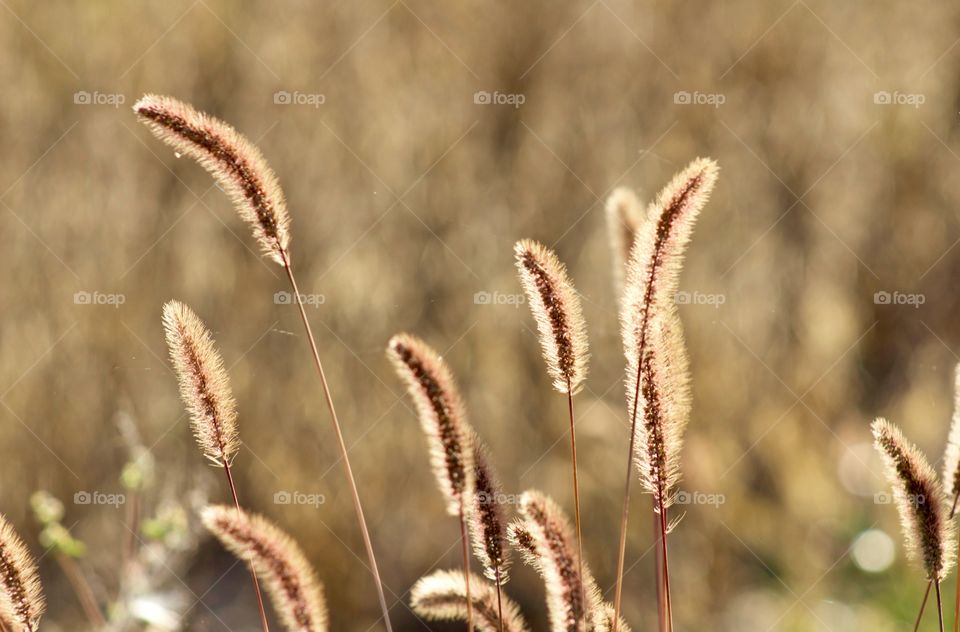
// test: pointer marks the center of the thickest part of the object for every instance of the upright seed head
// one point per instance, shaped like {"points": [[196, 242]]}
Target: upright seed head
{"points": [[545, 540], [488, 530], [204, 385], [294, 589], [442, 416], [951, 457], [21, 595], [556, 308], [927, 529], [233, 161], [442, 596], [625, 215], [652, 331]]}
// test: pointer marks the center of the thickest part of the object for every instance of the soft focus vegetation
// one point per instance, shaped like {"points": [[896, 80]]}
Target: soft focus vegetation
{"points": [[406, 198]]}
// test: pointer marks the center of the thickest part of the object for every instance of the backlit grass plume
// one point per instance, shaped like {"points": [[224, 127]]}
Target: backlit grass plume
{"points": [[625, 215], [563, 336], [204, 385], [289, 579], [21, 595], [235, 163], [556, 308], [544, 537], [442, 597], [951, 456], [658, 400], [928, 530], [443, 418], [919, 498], [488, 530]]}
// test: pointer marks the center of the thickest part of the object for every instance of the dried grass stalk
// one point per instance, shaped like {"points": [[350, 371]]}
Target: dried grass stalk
{"points": [[556, 308], [204, 385], [657, 386], [488, 529], [442, 416], [21, 595], [235, 163], [625, 215], [442, 596], [927, 529], [545, 540], [289, 579]]}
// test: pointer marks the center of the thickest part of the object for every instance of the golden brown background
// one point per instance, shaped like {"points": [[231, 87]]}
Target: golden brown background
{"points": [[406, 198]]}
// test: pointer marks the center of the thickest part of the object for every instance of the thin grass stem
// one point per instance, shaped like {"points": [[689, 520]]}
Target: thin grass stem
{"points": [[466, 567], [358, 507], [81, 588], [253, 573], [576, 491]]}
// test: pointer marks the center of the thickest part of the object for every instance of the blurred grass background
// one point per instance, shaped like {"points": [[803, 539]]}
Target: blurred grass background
{"points": [[407, 196]]}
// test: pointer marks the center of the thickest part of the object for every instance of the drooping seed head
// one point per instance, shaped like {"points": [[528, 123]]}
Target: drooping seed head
{"points": [[278, 561], [21, 595], [204, 385], [442, 416], [233, 161], [546, 542], [951, 457], [488, 529], [652, 331], [556, 308], [625, 215], [442, 596], [927, 528]]}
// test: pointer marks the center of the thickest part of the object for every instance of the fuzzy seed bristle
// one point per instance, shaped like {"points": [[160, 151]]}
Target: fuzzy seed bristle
{"points": [[442, 597], [291, 582], [487, 526], [233, 161], [21, 595], [658, 397], [951, 457], [442, 416], [625, 215], [927, 528], [546, 542], [204, 385], [556, 308]]}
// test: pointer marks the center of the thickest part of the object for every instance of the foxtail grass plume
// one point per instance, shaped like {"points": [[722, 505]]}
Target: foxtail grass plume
{"points": [[233, 161], [442, 416], [442, 596], [21, 595], [603, 620], [204, 385], [658, 398], [545, 540], [951, 457], [289, 579], [488, 529], [556, 308], [927, 529], [625, 216]]}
